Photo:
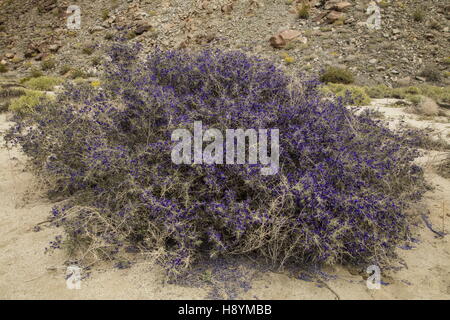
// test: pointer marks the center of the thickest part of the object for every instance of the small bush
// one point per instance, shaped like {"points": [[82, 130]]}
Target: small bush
{"points": [[105, 14], [96, 61], [65, 69], [378, 91], [88, 50], [3, 68], [48, 64], [35, 73], [337, 75], [43, 83], [12, 92], [26, 103], [444, 167], [419, 15], [353, 95], [303, 11], [431, 73], [341, 195], [109, 36], [78, 73], [435, 25]]}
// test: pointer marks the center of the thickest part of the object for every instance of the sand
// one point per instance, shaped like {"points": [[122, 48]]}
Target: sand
{"points": [[26, 272]]}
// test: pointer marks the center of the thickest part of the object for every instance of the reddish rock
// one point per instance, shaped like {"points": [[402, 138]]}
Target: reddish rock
{"points": [[227, 8], [334, 16], [337, 5], [284, 37]]}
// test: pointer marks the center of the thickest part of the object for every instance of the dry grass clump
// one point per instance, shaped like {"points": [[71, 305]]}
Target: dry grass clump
{"points": [[444, 167], [425, 106]]}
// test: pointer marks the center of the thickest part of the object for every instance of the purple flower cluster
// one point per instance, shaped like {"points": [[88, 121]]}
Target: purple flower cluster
{"points": [[341, 195]]}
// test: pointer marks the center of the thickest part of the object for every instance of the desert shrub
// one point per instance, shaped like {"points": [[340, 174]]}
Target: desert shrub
{"points": [[353, 94], [337, 75], [341, 195], [303, 11], [26, 103], [378, 91], [78, 73], [419, 15], [43, 83], [3, 68], [105, 14], [88, 50], [431, 73], [11, 92], [48, 64], [428, 139], [443, 167], [96, 61], [411, 93], [65, 69]]}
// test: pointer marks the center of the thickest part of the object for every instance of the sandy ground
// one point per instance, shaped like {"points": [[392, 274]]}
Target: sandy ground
{"points": [[27, 273]]}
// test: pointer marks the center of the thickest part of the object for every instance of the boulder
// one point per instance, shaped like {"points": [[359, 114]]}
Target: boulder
{"points": [[282, 38]]}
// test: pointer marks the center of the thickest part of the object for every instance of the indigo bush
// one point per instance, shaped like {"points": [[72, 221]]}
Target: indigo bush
{"points": [[342, 194]]}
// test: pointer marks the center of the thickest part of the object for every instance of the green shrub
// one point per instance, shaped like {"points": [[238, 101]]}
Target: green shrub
{"points": [[64, 69], [48, 64], [78, 73], [303, 11], [337, 75], [414, 98], [43, 83], [34, 73], [419, 15], [355, 95], [109, 36], [378, 91], [96, 61], [27, 102], [3, 68], [88, 50], [105, 14]]}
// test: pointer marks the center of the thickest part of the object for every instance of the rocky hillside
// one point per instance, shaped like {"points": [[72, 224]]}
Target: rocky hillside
{"points": [[412, 45]]}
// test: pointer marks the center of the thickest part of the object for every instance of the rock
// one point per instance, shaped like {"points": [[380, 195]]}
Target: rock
{"points": [[334, 16], [31, 50], [97, 28], [142, 28], [9, 55], [373, 61], [421, 78], [284, 37], [227, 8], [337, 5], [54, 47]]}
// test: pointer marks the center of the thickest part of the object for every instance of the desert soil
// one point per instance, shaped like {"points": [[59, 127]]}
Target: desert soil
{"points": [[26, 272]]}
